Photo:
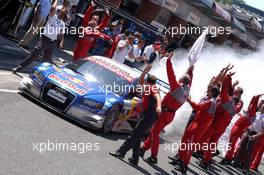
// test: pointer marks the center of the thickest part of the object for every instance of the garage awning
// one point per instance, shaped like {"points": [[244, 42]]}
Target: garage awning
{"points": [[256, 24], [237, 24], [203, 3], [225, 15]]}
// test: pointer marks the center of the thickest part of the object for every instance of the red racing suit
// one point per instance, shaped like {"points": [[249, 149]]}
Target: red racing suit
{"points": [[114, 45], [225, 110], [172, 101], [241, 125], [257, 154], [204, 114], [88, 40]]}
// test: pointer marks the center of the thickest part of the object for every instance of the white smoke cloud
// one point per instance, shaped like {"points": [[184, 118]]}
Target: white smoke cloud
{"points": [[249, 67]]}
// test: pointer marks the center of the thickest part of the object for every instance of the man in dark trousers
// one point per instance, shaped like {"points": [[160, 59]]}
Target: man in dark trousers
{"points": [[151, 102], [53, 35]]}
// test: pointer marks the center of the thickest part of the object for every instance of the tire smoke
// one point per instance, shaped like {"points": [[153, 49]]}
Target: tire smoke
{"points": [[248, 66]]}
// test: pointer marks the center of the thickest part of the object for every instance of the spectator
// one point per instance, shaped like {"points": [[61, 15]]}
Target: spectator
{"points": [[149, 49], [41, 13], [124, 48], [135, 59], [49, 39]]}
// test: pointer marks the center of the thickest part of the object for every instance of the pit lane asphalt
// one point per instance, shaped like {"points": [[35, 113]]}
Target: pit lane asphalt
{"points": [[24, 123]]}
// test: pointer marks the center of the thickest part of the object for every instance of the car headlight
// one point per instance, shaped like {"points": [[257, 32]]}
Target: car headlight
{"points": [[41, 76], [92, 103]]}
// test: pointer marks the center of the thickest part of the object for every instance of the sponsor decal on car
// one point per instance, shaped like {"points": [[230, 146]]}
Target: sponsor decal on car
{"points": [[77, 81], [57, 95], [67, 83], [113, 68]]}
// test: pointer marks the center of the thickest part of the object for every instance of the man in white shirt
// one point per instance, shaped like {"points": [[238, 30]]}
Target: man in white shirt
{"points": [[135, 58], [149, 49], [41, 13], [124, 48], [254, 133], [53, 32]]}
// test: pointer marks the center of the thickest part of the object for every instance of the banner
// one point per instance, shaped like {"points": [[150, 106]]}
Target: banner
{"points": [[195, 51]]}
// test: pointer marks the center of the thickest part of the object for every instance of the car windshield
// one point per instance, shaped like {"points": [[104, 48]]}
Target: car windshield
{"points": [[94, 72]]}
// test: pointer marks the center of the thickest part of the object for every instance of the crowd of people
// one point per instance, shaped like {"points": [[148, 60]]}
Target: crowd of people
{"points": [[210, 116], [103, 35], [208, 121]]}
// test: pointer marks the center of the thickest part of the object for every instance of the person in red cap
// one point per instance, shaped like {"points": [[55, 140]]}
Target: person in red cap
{"points": [[225, 111], [173, 100], [204, 114], [91, 32], [239, 128]]}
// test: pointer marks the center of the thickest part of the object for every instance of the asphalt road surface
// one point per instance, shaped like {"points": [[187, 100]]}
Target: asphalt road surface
{"points": [[35, 140]]}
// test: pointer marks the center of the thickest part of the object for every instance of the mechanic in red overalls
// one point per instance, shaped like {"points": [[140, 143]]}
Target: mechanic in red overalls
{"points": [[240, 127], [204, 115], [91, 32], [225, 111], [259, 151], [173, 100]]}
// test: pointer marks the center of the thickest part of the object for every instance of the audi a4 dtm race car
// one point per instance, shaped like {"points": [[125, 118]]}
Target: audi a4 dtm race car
{"points": [[95, 91]]}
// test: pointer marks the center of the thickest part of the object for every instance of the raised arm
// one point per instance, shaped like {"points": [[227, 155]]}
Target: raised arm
{"points": [[253, 105], [158, 100], [224, 90], [190, 72], [170, 73], [221, 75], [54, 3], [104, 22], [87, 15], [142, 76], [199, 106]]}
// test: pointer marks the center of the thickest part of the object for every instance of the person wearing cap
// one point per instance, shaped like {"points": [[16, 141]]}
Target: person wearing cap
{"points": [[52, 34], [173, 100], [239, 128], [92, 30], [41, 13], [253, 136], [151, 102]]}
